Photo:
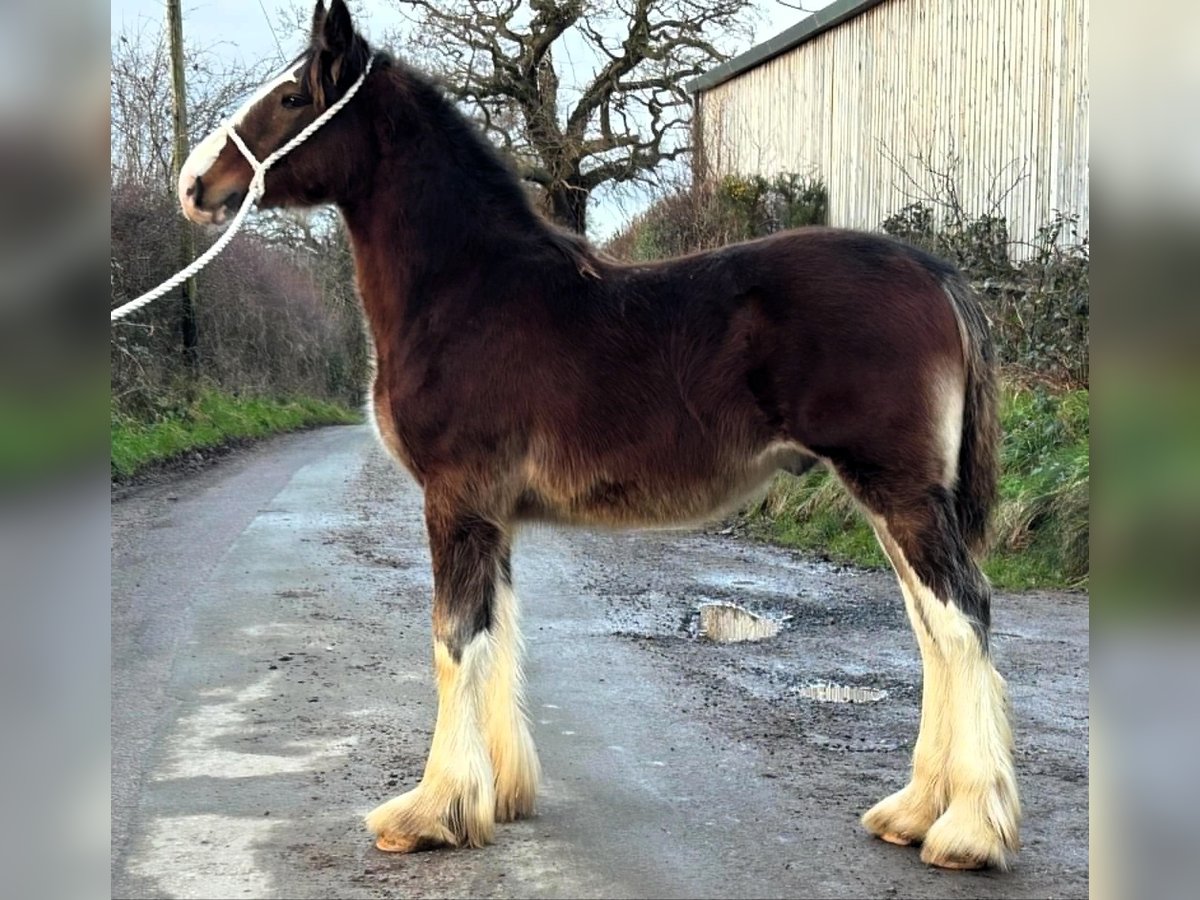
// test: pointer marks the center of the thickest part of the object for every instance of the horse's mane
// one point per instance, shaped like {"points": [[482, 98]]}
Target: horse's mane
{"points": [[491, 172]]}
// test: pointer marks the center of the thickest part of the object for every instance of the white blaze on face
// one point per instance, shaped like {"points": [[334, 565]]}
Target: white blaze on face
{"points": [[205, 154]]}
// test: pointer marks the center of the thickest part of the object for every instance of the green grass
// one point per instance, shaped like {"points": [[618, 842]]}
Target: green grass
{"points": [[1040, 524], [212, 420]]}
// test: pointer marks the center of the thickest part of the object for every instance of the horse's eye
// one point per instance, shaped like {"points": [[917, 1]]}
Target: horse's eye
{"points": [[295, 101]]}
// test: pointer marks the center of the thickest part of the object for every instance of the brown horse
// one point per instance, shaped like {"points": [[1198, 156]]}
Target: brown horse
{"points": [[521, 377]]}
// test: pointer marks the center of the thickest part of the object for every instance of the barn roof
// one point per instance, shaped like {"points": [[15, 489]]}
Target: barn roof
{"points": [[806, 29]]}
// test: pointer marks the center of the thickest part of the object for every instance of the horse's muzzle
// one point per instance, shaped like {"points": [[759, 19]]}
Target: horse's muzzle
{"points": [[191, 199], [192, 196]]}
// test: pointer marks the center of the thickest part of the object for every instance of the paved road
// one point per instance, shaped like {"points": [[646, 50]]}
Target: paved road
{"points": [[271, 684]]}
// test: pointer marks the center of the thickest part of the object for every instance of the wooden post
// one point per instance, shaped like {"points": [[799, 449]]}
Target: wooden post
{"points": [[187, 238]]}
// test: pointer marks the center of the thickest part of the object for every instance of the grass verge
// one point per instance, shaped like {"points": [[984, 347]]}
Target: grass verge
{"points": [[213, 420], [1040, 524]]}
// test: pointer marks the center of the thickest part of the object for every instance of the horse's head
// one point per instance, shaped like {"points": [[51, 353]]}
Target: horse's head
{"points": [[216, 176]]}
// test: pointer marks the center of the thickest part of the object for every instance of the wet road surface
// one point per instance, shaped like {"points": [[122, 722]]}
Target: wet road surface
{"points": [[272, 683]]}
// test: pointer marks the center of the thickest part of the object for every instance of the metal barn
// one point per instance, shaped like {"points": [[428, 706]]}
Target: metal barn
{"points": [[871, 95]]}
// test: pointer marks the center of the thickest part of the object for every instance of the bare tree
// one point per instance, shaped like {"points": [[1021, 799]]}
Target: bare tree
{"points": [[140, 103], [581, 93]]}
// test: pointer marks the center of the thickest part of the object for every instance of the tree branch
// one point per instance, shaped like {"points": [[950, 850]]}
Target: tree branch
{"points": [[503, 60]]}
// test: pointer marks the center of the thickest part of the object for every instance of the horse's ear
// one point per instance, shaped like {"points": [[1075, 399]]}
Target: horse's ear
{"points": [[337, 29], [318, 20]]}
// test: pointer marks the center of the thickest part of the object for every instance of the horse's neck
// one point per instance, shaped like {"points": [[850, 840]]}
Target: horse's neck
{"points": [[409, 241], [440, 219]]}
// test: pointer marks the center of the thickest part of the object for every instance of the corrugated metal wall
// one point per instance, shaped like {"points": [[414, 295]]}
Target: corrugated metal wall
{"points": [[999, 85]]}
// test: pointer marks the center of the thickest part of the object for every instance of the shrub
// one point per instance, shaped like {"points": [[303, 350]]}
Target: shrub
{"points": [[712, 214], [271, 321], [1038, 303]]}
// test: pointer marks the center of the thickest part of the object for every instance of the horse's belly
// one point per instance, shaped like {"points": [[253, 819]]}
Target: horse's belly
{"points": [[665, 498]]}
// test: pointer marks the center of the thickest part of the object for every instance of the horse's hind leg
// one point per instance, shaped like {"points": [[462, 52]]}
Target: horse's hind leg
{"points": [[965, 730], [905, 816], [455, 803], [506, 727]]}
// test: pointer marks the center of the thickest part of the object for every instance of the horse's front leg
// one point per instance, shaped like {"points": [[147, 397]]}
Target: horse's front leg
{"points": [[455, 803]]}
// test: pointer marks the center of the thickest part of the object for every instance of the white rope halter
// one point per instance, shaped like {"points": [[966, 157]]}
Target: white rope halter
{"points": [[258, 186]]}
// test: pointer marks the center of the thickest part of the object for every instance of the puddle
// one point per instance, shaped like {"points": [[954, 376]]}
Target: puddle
{"points": [[841, 693], [740, 581], [728, 623]]}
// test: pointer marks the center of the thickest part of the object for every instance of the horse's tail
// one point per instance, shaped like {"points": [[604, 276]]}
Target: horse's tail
{"points": [[975, 490]]}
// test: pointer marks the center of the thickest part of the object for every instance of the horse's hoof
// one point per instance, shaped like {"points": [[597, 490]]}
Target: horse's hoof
{"points": [[425, 819], [400, 844], [963, 864], [902, 818], [960, 840]]}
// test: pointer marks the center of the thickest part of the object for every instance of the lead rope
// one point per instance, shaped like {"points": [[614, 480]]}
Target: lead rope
{"points": [[258, 186]]}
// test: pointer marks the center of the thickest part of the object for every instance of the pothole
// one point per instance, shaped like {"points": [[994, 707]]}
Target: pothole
{"points": [[728, 623], [841, 693]]}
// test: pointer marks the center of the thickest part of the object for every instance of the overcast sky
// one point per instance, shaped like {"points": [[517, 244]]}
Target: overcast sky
{"points": [[247, 31]]}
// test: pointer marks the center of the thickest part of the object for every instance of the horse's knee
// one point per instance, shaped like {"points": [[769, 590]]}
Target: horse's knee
{"points": [[467, 552]]}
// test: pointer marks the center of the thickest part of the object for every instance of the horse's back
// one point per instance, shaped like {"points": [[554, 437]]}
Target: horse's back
{"points": [[808, 309]]}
